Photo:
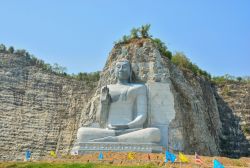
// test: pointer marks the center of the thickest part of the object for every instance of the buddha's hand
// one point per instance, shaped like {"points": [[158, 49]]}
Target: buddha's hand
{"points": [[105, 97], [117, 127]]}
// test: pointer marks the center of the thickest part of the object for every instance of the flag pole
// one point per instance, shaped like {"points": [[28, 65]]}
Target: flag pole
{"points": [[179, 159]]}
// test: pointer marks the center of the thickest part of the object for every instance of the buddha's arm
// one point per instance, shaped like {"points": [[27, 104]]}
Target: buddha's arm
{"points": [[141, 104], [102, 113]]}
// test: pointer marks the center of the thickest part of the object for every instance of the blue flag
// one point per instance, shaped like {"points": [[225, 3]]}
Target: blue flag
{"points": [[170, 156], [100, 157], [217, 164], [27, 154]]}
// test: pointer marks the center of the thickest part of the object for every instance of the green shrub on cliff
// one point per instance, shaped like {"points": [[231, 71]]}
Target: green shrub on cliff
{"points": [[58, 69], [230, 79], [162, 48], [125, 39], [180, 59], [134, 33], [144, 31], [20, 52], [246, 129], [11, 50], [2, 48], [89, 77]]}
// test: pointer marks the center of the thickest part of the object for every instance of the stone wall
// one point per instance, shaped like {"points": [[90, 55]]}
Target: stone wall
{"points": [[38, 110]]}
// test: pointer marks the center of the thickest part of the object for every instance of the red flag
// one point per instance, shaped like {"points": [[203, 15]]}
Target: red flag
{"points": [[198, 159]]}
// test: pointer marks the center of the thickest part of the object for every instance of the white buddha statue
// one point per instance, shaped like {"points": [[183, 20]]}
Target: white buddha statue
{"points": [[123, 112]]}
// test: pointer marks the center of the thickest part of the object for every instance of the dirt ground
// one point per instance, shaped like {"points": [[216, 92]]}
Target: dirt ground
{"points": [[122, 158]]}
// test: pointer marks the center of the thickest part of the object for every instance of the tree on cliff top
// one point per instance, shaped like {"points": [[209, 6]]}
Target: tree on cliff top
{"points": [[144, 30], [2, 48], [143, 33], [134, 33], [11, 50]]}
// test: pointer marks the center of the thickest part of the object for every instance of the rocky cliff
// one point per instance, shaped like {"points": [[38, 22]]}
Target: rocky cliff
{"points": [[38, 110], [43, 111], [196, 125], [233, 100], [204, 122]]}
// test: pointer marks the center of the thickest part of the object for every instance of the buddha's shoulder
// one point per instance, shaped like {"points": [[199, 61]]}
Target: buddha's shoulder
{"points": [[131, 86], [138, 88]]}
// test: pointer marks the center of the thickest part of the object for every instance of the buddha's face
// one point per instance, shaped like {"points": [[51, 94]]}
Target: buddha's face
{"points": [[122, 70]]}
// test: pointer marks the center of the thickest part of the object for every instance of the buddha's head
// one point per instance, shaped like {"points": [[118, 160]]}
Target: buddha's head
{"points": [[123, 71]]}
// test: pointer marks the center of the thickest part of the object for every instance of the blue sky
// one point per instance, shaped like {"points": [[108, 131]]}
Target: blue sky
{"points": [[79, 34]]}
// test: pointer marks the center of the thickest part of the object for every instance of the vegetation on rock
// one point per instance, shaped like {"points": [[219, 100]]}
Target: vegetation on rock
{"points": [[55, 68], [143, 33], [162, 48], [183, 62], [178, 58], [230, 79]]}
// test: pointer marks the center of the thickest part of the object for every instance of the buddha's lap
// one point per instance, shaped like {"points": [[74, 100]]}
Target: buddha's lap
{"points": [[85, 133]]}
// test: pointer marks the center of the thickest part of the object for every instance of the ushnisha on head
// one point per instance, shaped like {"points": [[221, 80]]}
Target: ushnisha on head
{"points": [[123, 71]]}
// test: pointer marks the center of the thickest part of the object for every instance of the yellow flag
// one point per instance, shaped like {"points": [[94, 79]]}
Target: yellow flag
{"points": [[182, 157], [52, 153], [131, 156]]}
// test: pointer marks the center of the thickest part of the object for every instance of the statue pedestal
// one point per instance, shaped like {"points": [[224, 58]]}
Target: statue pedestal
{"points": [[88, 147]]}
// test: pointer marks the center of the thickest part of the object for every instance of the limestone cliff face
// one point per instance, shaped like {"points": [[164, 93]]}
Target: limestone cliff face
{"points": [[196, 123], [38, 110], [205, 120], [42, 111], [233, 99]]}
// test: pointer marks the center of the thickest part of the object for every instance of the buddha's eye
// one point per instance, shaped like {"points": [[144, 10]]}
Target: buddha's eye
{"points": [[125, 66]]}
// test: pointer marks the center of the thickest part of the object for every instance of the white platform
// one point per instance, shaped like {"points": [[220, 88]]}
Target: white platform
{"points": [[88, 147]]}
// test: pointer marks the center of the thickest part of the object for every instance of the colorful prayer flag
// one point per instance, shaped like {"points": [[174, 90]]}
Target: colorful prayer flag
{"points": [[131, 156], [27, 155], [100, 157], [170, 156], [52, 153], [182, 157], [217, 164], [198, 159]]}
